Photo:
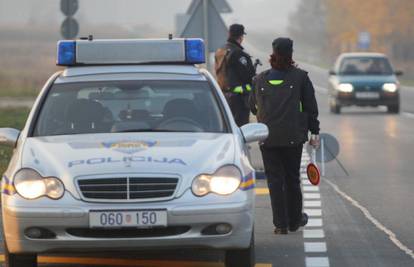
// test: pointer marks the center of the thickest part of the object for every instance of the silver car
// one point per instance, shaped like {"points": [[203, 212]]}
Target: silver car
{"points": [[118, 154]]}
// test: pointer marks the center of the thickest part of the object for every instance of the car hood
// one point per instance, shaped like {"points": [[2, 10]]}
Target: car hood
{"points": [[184, 155], [367, 80]]}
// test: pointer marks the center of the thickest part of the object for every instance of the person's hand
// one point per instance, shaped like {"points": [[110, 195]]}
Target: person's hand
{"points": [[315, 141]]}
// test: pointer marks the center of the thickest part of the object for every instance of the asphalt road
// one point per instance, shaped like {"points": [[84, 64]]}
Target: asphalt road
{"points": [[362, 214]]}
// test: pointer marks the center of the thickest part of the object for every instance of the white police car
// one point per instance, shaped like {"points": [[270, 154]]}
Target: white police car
{"points": [[130, 147]]}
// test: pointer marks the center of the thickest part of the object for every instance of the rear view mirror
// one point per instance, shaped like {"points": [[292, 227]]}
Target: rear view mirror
{"points": [[399, 72], [9, 136], [332, 72], [255, 132]]}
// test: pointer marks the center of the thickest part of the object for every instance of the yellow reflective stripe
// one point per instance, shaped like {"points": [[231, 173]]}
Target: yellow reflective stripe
{"points": [[238, 90], [276, 82], [248, 87]]}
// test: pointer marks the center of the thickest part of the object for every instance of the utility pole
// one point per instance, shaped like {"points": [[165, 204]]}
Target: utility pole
{"points": [[205, 18]]}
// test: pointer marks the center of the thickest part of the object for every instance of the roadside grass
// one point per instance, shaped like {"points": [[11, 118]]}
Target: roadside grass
{"points": [[10, 118]]}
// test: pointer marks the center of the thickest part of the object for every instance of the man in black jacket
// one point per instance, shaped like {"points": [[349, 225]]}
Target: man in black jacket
{"points": [[283, 98], [239, 74]]}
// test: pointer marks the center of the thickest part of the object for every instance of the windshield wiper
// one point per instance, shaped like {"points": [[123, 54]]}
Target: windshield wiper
{"points": [[149, 131]]}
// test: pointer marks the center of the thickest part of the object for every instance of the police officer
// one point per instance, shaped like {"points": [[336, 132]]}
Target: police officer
{"points": [[239, 74], [283, 98]]}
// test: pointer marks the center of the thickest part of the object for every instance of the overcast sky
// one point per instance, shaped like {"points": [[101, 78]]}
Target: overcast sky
{"points": [[260, 15]]}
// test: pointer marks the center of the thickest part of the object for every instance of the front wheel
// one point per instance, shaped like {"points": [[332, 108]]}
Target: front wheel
{"points": [[394, 109], [241, 257], [19, 260]]}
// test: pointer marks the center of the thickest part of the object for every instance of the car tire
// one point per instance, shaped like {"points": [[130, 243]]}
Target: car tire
{"points": [[19, 260], [335, 109], [394, 109], [241, 257]]}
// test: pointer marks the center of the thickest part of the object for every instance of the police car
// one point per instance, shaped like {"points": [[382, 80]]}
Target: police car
{"points": [[131, 146]]}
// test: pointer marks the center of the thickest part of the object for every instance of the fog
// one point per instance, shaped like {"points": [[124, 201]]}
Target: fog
{"points": [[258, 15]]}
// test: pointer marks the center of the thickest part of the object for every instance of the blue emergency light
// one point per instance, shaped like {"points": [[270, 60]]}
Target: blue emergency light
{"points": [[139, 51]]}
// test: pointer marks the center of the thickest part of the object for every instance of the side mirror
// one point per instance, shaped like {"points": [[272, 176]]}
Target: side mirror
{"points": [[254, 132], [9, 136], [399, 72], [332, 72]]}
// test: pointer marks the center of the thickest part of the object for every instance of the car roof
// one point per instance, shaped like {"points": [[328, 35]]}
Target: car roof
{"points": [[125, 72], [361, 54]]}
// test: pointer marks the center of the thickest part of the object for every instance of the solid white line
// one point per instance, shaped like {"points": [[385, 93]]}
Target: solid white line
{"points": [[314, 223], [317, 262], [313, 212], [312, 204], [408, 115], [314, 247], [311, 195], [316, 233], [374, 221], [310, 188]]}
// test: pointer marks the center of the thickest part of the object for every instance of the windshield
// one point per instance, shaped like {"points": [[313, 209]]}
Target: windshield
{"points": [[129, 106], [365, 66]]}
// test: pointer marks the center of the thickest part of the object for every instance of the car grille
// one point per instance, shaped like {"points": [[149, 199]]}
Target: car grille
{"points": [[128, 232], [127, 188]]}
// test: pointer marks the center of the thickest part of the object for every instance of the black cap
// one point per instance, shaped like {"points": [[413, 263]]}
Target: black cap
{"points": [[236, 30], [283, 46]]}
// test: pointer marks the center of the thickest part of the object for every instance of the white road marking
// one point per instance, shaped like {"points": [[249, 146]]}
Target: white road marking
{"points": [[317, 262], [314, 223], [391, 235], [304, 176], [306, 182], [310, 188], [311, 195], [315, 247], [313, 212], [314, 233], [408, 115], [312, 204]]}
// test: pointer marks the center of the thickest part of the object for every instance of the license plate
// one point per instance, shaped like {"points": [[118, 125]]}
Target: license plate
{"points": [[367, 95], [134, 218]]}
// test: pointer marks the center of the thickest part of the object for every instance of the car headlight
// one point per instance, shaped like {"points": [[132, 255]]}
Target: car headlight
{"points": [[390, 87], [224, 181], [31, 185], [346, 87]]}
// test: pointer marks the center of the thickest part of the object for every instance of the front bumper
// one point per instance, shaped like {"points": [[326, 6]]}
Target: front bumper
{"points": [[190, 215], [350, 99]]}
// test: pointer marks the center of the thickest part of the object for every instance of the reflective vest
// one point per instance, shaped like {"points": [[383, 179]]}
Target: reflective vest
{"points": [[242, 89]]}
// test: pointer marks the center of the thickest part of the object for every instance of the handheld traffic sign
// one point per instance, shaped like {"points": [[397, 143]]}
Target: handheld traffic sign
{"points": [[312, 170], [69, 7], [69, 28]]}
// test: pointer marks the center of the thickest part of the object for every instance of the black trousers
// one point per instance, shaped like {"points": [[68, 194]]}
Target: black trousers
{"points": [[239, 108], [282, 167]]}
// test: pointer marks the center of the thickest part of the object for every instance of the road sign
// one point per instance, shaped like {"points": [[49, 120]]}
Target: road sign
{"points": [[221, 5], [69, 7], [364, 40], [205, 22], [70, 28]]}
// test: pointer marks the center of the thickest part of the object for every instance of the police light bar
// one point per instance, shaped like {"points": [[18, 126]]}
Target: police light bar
{"points": [[133, 51]]}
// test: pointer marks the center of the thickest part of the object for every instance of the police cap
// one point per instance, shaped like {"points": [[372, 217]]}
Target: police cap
{"points": [[283, 46]]}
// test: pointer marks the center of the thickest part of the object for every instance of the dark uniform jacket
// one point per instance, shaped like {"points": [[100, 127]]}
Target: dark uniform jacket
{"points": [[289, 110], [240, 70]]}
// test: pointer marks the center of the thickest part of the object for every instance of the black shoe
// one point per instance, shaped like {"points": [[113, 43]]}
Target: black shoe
{"points": [[280, 231], [303, 222]]}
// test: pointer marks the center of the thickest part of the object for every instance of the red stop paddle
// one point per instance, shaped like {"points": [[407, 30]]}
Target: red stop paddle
{"points": [[312, 170]]}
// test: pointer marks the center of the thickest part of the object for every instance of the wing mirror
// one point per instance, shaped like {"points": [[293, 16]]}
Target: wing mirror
{"points": [[9, 136], [399, 73], [254, 132]]}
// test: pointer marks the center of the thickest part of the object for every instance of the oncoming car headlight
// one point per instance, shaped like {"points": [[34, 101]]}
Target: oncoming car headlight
{"points": [[224, 181], [390, 87], [346, 87], [31, 185]]}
